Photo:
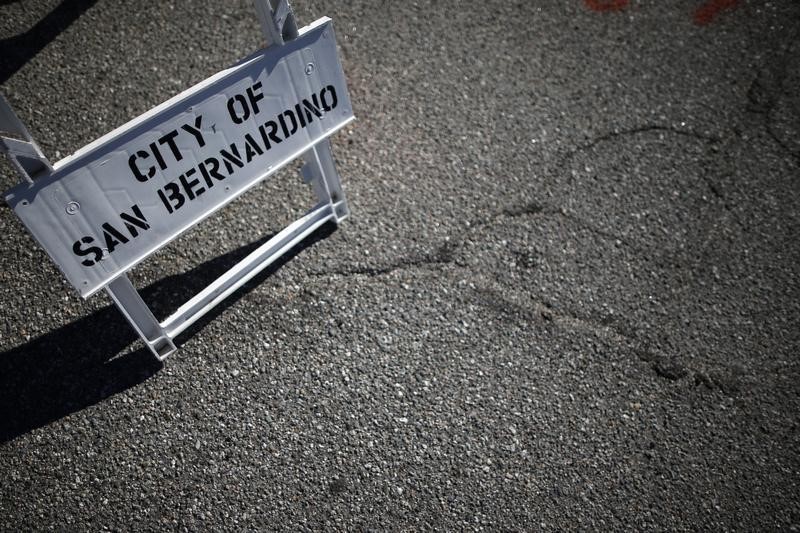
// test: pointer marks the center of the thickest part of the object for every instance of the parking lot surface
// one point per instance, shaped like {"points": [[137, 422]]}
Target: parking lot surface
{"points": [[568, 296]]}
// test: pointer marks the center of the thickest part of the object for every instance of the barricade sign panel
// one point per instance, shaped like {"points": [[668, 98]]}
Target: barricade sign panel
{"points": [[111, 204], [108, 206]]}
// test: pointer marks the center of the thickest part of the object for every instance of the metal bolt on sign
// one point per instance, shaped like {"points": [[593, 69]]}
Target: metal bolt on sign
{"points": [[102, 210]]}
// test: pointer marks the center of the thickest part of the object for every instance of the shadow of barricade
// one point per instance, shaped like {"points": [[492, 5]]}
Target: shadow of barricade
{"points": [[16, 51], [85, 361]]}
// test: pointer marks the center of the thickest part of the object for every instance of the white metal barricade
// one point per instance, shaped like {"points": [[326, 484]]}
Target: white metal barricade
{"points": [[100, 211]]}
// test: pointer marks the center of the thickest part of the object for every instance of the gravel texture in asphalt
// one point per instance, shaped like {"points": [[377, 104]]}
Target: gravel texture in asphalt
{"points": [[568, 296]]}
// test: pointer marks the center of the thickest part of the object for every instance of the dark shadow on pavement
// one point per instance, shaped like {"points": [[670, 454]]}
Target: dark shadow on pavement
{"points": [[79, 364], [18, 50]]}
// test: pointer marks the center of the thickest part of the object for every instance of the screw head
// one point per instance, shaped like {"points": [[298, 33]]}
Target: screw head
{"points": [[73, 207], [309, 68]]}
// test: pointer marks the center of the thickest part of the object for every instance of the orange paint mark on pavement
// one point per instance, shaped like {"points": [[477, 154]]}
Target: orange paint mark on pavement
{"points": [[705, 14]]}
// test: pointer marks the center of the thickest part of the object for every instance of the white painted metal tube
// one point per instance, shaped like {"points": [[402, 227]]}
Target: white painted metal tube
{"points": [[246, 269]]}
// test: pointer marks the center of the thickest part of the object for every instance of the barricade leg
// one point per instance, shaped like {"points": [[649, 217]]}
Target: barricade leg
{"points": [[320, 172], [131, 304]]}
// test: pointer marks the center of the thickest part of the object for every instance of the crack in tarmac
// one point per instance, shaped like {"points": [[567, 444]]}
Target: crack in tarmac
{"points": [[441, 256], [648, 128], [445, 254], [662, 364], [763, 96]]}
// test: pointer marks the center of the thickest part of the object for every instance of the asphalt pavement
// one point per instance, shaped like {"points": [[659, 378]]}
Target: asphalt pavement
{"points": [[568, 296]]}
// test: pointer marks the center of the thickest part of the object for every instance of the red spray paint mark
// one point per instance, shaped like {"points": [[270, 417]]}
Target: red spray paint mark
{"points": [[606, 5], [704, 14]]}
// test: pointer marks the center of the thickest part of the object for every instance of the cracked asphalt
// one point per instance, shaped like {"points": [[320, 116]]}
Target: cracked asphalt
{"points": [[568, 297]]}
